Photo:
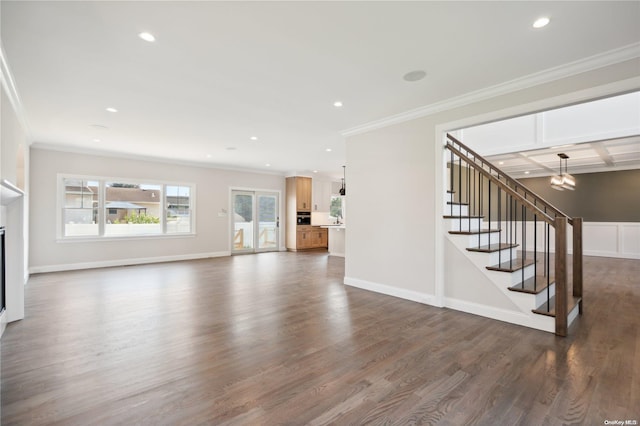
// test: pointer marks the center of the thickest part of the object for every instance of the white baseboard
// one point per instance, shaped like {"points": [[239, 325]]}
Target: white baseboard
{"points": [[124, 262], [333, 253], [427, 299], [539, 322]]}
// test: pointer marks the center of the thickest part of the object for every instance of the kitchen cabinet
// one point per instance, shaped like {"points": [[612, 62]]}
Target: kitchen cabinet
{"points": [[321, 195], [319, 237], [298, 199], [303, 193], [303, 238]]}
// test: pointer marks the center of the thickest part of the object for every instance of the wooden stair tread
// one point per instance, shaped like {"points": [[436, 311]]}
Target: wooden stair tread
{"points": [[549, 308], [463, 217], [533, 285], [455, 203], [492, 248], [511, 266], [474, 232]]}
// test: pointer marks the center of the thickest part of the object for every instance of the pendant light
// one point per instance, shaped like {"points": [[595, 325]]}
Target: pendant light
{"points": [[343, 190], [563, 180]]}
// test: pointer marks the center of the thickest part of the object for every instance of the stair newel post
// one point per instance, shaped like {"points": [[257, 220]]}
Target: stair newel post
{"points": [[577, 260], [561, 275]]}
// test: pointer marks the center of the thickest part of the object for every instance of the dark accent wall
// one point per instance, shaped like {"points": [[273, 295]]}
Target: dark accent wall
{"points": [[598, 197]]}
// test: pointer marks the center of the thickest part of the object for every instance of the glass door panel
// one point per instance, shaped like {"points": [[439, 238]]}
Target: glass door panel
{"points": [[242, 228], [256, 221], [267, 221]]}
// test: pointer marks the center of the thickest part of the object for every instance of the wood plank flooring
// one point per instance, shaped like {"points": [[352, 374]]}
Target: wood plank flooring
{"points": [[276, 338]]}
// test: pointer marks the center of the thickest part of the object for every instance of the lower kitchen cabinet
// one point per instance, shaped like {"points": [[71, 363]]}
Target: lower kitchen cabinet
{"points": [[320, 237], [310, 237], [303, 239]]}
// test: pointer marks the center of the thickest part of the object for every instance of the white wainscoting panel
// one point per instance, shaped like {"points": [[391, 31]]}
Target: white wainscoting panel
{"points": [[605, 239], [630, 240]]}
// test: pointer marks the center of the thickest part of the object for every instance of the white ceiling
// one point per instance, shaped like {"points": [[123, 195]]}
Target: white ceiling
{"points": [[221, 72]]}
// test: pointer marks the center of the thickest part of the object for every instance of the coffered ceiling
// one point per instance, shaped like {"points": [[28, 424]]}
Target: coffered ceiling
{"points": [[252, 85], [598, 156]]}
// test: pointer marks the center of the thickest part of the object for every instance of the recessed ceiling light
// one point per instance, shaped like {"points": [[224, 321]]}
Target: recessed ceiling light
{"points": [[527, 172], [209, 155], [268, 165], [328, 150], [110, 109], [315, 171], [501, 163], [147, 37], [337, 104], [541, 22], [254, 138], [416, 75], [96, 140]]}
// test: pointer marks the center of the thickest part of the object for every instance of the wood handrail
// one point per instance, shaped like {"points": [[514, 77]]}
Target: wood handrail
{"points": [[513, 181], [528, 204]]}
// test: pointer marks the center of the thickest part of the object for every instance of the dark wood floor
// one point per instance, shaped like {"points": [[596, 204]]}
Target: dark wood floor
{"points": [[276, 338]]}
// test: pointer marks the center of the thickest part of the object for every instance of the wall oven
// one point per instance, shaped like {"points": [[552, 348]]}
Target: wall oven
{"points": [[303, 218]]}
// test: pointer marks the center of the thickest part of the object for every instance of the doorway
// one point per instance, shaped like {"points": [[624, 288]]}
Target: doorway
{"points": [[255, 222]]}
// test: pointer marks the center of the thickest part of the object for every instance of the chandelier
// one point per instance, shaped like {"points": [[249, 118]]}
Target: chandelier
{"points": [[564, 180]]}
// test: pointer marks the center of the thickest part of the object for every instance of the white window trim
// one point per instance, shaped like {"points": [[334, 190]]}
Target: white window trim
{"points": [[60, 206]]}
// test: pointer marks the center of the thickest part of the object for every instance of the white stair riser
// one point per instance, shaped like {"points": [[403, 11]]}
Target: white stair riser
{"points": [[456, 210], [464, 224], [502, 256], [518, 276], [542, 297], [485, 239]]}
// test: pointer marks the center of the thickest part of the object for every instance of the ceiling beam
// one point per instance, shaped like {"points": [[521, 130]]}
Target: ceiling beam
{"points": [[536, 163], [603, 152]]}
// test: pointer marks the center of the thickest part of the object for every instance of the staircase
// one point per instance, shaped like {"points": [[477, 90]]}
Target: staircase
{"points": [[516, 239]]}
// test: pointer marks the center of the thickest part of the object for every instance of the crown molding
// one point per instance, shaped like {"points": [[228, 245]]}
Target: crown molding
{"points": [[9, 85], [611, 57]]}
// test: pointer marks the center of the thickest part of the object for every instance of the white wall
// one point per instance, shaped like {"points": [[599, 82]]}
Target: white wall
{"points": [[13, 206], [212, 197], [396, 191]]}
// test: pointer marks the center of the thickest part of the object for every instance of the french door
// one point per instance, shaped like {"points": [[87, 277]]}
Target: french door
{"points": [[255, 222]]}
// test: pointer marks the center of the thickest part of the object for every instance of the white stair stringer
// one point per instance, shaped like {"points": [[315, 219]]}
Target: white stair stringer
{"points": [[525, 302]]}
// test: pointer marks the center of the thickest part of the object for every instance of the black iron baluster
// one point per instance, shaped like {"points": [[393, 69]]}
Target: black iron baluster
{"points": [[524, 240], [499, 222]]}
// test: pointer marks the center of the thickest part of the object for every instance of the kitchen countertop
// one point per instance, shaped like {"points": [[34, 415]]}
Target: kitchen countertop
{"points": [[341, 226]]}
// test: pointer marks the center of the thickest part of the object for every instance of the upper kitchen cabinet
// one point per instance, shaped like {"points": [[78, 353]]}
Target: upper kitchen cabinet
{"points": [[303, 192], [321, 195]]}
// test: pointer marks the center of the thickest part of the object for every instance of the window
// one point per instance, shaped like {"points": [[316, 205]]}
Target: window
{"points": [[132, 209], [178, 213], [99, 207], [336, 209], [80, 211]]}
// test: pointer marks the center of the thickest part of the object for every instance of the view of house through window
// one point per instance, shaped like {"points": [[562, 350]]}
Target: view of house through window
{"points": [[117, 209], [80, 209], [132, 209]]}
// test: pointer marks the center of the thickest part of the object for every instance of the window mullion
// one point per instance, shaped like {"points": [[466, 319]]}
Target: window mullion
{"points": [[101, 204]]}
